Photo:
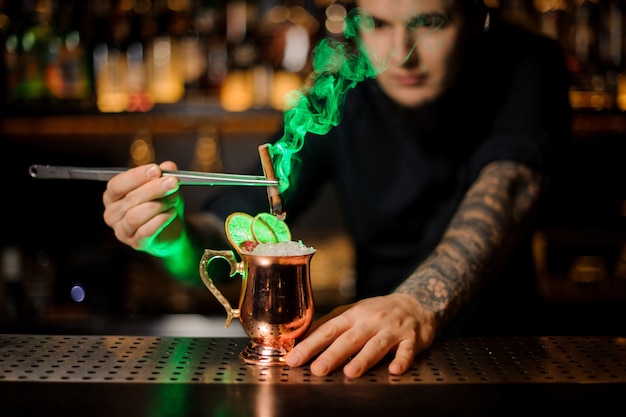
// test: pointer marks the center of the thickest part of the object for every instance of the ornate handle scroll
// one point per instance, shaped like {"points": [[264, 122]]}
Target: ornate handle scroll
{"points": [[229, 256]]}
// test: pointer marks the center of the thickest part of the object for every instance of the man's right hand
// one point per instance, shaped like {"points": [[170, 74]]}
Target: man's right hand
{"points": [[144, 208]]}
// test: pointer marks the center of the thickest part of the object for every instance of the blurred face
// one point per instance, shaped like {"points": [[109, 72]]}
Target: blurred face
{"points": [[415, 46]]}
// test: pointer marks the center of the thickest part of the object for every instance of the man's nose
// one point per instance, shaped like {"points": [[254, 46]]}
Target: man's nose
{"points": [[404, 49]]}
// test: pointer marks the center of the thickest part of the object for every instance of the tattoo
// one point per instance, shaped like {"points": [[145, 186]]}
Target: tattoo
{"points": [[486, 227]]}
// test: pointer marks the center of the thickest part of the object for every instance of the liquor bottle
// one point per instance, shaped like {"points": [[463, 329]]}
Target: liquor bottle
{"points": [[289, 33], [109, 59], [554, 19], [584, 38], [142, 29], [519, 12], [11, 31], [165, 75], [189, 32], [212, 26], [237, 91], [35, 54], [11, 274], [74, 84], [611, 47]]}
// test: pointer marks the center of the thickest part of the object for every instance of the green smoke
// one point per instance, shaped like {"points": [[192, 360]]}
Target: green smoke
{"points": [[338, 66]]}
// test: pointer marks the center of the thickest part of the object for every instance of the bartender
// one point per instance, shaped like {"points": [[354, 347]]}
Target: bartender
{"points": [[442, 161]]}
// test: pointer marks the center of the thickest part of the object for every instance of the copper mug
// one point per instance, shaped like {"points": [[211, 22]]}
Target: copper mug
{"points": [[275, 302]]}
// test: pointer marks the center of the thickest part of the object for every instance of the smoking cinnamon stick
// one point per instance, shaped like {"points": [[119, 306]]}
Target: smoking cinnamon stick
{"points": [[273, 193]]}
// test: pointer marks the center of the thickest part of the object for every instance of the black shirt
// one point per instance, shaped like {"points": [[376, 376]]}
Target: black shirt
{"points": [[401, 174]]}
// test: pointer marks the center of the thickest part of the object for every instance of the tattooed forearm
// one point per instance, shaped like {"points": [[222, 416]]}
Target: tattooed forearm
{"points": [[485, 228]]}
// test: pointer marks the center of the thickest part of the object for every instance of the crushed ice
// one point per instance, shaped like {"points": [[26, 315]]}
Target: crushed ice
{"points": [[290, 248]]}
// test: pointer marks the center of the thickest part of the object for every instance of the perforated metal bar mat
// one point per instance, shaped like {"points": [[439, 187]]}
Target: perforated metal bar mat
{"points": [[144, 359]]}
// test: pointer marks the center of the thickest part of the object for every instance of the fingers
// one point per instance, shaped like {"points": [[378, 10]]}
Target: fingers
{"points": [[405, 354], [364, 334], [139, 202], [371, 353], [168, 165], [341, 342], [143, 221], [120, 185], [315, 342], [370, 343]]}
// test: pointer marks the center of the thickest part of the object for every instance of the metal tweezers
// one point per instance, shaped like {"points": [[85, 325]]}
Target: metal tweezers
{"points": [[184, 177]]}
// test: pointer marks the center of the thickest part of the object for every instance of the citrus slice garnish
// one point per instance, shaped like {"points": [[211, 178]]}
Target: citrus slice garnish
{"points": [[267, 228], [238, 227]]}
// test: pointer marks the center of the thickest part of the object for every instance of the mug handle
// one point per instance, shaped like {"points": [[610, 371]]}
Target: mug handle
{"points": [[229, 256]]}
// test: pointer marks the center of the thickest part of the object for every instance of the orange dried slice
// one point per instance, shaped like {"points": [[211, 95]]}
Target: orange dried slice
{"points": [[238, 227], [267, 228]]}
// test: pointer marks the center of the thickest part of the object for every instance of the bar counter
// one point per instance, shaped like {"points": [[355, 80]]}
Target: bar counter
{"points": [[124, 375]]}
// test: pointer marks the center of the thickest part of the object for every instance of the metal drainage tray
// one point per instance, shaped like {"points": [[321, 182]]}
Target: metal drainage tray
{"points": [[189, 360]]}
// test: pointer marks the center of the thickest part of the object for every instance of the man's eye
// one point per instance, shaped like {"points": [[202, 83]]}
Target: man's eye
{"points": [[365, 22], [378, 24], [429, 21]]}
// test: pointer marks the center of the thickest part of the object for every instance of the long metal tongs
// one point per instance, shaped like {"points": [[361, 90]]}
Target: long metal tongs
{"points": [[184, 177]]}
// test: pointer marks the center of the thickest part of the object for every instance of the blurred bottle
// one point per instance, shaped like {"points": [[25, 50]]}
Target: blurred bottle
{"points": [[186, 27], [38, 284], [289, 32], [554, 19], [611, 50], [241, 29], [520, 13], [10, 32], [11, 272], [584, 35], [142, 30], [109, 63], [35, 57], [164, 66], [237, 90], [211, 23], [69, 78]]}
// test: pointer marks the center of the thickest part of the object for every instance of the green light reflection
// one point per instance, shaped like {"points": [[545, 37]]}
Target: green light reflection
{"points": [[338, 66]]}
